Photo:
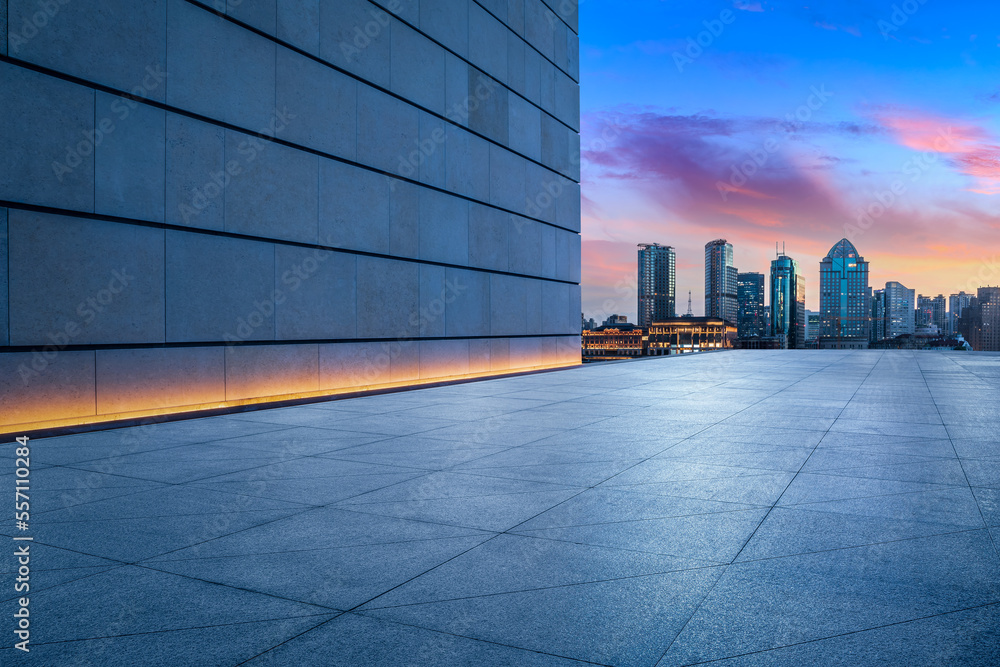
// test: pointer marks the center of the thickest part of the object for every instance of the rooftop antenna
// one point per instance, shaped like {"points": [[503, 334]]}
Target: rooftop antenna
{"points": [[689, 314]]}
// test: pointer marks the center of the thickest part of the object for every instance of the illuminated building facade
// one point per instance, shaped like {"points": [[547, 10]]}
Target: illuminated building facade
{"points": [[899, 310], [980, 320], [788, 302], [311, 203], [751, 316], [721, 279], [690, 334], [878, 330], [657, 283], [618, 341], [932, 311], [844, 298], [956, 304]]}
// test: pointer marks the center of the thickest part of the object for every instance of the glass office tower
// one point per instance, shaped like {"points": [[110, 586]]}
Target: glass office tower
{"points": [[899, 310], [788, 301], [720, 281], [751, 318], [844, 299], [657, 283]]}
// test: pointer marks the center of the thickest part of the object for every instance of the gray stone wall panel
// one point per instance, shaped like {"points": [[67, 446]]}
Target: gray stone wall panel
{"points": [[253, 371], [48, 138], [298, 24], [354, 208], [195, 173], [130, 161], [219, 69], [157, 378], [4, 304], [76, 281], [321, 105], [218, 288], [317, 294], [117, 43], [273, 191], [38, 389]]}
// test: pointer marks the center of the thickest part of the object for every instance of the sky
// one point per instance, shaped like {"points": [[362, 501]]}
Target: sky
{"points": [[763, 121]]}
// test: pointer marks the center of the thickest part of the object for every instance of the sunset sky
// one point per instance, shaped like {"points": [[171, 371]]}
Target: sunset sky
{"points": [[827, 105]]}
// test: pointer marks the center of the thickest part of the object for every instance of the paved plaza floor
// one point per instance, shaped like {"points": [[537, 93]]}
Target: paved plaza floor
{"points": [[738, 508]]}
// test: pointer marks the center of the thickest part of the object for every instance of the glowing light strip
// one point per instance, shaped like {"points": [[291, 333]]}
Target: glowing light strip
{"points": [[10, 429]]}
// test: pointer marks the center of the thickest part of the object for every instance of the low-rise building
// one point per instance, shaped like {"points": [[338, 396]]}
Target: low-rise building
{"points": [[614, 342], [690, 334]]}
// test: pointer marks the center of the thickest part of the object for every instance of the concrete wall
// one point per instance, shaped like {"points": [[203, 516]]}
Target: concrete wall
{"points": [[207, 203]]}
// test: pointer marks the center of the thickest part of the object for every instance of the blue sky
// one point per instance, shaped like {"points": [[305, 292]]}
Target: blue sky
{"points": [[880, 95]]}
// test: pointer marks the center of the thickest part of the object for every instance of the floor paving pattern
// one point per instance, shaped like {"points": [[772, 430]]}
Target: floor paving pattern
{"points": [[740, 509]]}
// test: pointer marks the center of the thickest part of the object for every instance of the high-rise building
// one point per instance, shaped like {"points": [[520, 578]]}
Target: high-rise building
{"points": [[844, 300], [878, 330], [312, 204], [812, 327], [939, 312], [751, 318], [956, 304], [788, 301], [980, 320], [657, 283], [614, 320], [923, 312], [931, 310], [899, 311], [721, 279]]}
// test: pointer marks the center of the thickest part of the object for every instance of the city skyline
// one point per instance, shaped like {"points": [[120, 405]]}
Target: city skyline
{"points": [[599, 311], [661, 133]]}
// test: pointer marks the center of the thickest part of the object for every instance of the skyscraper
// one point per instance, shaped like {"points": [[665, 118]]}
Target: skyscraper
{"points": [[788, 301], [931, 310], [899, 312], [720, 281], [939, 312], [878, 330], [844, 301], [751, 321], [980, 321], [657, 283], [956, 304]]}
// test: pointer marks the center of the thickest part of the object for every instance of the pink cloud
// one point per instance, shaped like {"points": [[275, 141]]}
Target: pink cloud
{"points": [[657, 181], [972, 149], [705, 171]]}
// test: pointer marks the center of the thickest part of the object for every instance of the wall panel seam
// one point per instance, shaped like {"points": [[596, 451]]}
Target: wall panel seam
{"points": [[261, 239], [281, 142]]}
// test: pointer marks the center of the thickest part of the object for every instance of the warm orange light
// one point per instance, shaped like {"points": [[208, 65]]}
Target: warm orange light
{"points": [[56, 422]]}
